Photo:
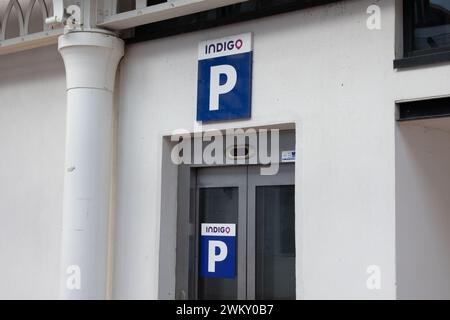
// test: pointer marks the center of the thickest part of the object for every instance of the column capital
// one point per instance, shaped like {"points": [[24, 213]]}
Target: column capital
{"points": [[91, 59]]}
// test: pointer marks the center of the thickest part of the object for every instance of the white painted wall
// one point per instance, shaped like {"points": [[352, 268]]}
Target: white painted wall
{"points": [[423, 209], [32, 124], [320, 68]]}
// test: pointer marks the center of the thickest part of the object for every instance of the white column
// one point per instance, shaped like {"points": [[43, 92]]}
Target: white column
{"points": [[91, 60]]}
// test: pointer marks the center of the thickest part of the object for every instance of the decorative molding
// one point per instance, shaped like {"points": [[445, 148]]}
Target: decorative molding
{"points": [[23, 17]]}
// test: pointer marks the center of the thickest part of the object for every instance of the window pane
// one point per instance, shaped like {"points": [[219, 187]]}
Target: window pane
{"points": [[275, 242], [218, 205], [431, 24]]}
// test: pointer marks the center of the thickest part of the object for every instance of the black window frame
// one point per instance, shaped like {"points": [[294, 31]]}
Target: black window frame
{"points": [[423, 109], [411, 57]]}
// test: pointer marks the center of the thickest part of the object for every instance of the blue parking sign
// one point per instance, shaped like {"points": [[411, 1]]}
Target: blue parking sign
{"points": [[218, 250], [225, 78]]}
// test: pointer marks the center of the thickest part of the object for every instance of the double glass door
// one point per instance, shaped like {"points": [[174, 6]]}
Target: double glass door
{"points": [[245, 233]]}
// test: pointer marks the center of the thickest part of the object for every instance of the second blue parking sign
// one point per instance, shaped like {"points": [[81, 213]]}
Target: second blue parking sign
{"points": [[218, 250], [225, 78]]}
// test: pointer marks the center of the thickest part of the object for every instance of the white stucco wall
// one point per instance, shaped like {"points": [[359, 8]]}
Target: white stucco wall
{"points": [[423, 209], [32, 129], [320, 68]]}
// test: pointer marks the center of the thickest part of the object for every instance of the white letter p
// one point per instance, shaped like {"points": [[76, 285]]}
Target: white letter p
{"points": [[215, 88], [212, 257]]}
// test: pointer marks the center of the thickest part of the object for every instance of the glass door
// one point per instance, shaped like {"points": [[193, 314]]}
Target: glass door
{"points": [[245, 233], [271, 234], [221, 231]]}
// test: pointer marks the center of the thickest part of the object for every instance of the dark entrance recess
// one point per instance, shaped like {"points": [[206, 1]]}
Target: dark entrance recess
{"points": [[424, 109], [239, 12]]}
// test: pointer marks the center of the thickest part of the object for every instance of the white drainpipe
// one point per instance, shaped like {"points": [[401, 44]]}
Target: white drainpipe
{"points": [[91, 59]]}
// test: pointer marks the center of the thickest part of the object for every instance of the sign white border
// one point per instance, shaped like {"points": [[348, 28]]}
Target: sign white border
{"points": [[230, 227], [209, 49]]}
